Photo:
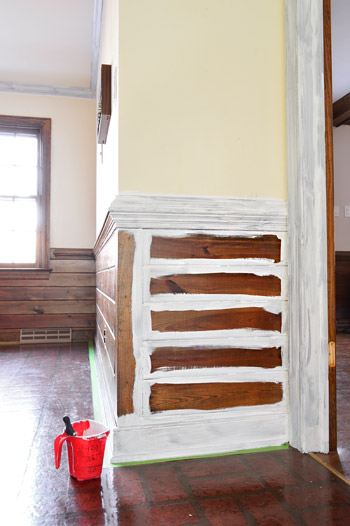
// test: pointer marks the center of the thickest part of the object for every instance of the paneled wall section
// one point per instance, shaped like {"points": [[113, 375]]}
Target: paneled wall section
{"points": [[62, 298], [192, 338]]}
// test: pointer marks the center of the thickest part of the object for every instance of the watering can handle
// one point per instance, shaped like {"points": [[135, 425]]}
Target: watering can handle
{"points": [[58, 448]]}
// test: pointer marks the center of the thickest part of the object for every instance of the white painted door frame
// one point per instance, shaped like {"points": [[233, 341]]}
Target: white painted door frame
{"points": [[306, 169]]}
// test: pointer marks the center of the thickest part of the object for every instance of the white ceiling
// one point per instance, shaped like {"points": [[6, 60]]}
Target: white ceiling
{"points": [[49, 44]]}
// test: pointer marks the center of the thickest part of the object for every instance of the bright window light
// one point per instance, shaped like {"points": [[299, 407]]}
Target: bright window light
{"points": [[18, 197]]}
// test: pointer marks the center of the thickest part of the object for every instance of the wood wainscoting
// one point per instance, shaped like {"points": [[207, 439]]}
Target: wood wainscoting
{"points": [[342, 290], [192, 325], [62, 298]]}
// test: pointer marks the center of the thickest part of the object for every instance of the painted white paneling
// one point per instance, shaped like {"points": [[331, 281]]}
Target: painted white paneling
{"points": [[308, 342]]}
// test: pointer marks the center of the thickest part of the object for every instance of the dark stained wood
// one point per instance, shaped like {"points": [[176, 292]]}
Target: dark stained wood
{"points": [[42, 299], [107, 257], [342, 290], [105, 282], [55, 279], [211, 396], [329, 117], [46, 293], [106, 338], [198, 357], [341, 107], [79, 266], [185, 321], [83, 335], [107, 307], [72, 253], [107, 230], [26, 321], [218, 283], [215, 247], [25, 274], [47, 307], [125, 356]]}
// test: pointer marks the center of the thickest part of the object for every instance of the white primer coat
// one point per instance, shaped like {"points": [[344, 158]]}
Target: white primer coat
{"points": [[144, 435]]}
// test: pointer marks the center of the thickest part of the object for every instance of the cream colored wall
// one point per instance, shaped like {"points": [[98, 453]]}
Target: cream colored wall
{"points": [[202, 97], [107, 155], [341, 143], [73, 158]]}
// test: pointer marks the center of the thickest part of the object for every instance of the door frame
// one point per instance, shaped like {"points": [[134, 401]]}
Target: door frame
{"points": [[309, 190]]}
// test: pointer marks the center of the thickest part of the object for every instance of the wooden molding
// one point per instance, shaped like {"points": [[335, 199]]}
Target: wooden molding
{"points": [[24, 273], [341, 111], [72, 253], [107, 230]]}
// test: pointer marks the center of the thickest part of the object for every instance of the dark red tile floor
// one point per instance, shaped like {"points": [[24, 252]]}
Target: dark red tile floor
{"points": [[38, 386]]}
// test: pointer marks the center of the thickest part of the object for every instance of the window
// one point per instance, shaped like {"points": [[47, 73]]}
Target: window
{"points": [[25, 146]]}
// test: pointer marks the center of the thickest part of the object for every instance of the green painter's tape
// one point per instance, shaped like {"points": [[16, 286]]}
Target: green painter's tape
{"points": [[98, 416], [242, 452]]}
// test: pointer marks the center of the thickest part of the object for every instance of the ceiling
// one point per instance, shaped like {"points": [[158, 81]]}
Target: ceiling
{"points": [[49, 46]]}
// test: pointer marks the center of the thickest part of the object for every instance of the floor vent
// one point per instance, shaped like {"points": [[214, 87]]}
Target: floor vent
{"points": [[46, 335]]}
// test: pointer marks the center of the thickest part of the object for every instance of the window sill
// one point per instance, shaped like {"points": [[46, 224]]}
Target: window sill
{"points": [[24, 273]]}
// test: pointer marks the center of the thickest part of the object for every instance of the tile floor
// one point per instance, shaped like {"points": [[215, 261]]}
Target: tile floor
{"points": [[38, 386]]}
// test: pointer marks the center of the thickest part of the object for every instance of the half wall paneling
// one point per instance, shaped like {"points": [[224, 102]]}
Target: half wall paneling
{"points": [[61, 298], [192, 326]]}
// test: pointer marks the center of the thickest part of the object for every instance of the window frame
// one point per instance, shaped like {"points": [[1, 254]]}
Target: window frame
{"points": [[42, 127]]}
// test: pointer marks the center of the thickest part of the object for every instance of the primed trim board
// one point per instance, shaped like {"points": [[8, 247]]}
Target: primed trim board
{"points": [[307, 219]]}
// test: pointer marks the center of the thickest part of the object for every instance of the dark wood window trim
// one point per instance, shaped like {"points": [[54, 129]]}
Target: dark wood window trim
{"points": [[43, 128]]}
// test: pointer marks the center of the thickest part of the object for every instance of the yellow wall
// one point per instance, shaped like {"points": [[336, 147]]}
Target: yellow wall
{"points": [[73, 158], [202, 97]]}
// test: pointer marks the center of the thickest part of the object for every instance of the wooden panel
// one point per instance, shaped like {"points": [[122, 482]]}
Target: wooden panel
{"points": [[61, 265], [342, 289], [107, 339], [46, 293], [108, 256], [125, 355], [212, 247], [24, 321], [219, 283], [105, 281], [211, 396], [47, 307], [197, 357], [72, 253], [107, 308], [83, 335], [184, 321], [64, 279]]}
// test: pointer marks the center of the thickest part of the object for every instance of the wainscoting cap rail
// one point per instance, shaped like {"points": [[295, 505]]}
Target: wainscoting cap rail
{"points": [[189, 212]]}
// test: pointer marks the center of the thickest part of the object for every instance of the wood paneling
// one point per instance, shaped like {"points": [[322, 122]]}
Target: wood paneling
{"points": [[107, 307], [185, 321], [125, 353], [65, 299], [46, 293], [106, 258], [37, 321], [215, 247], [342, 290], [48, 307], [218, 283], [197, 357], [105, 282], [211, 396]]}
